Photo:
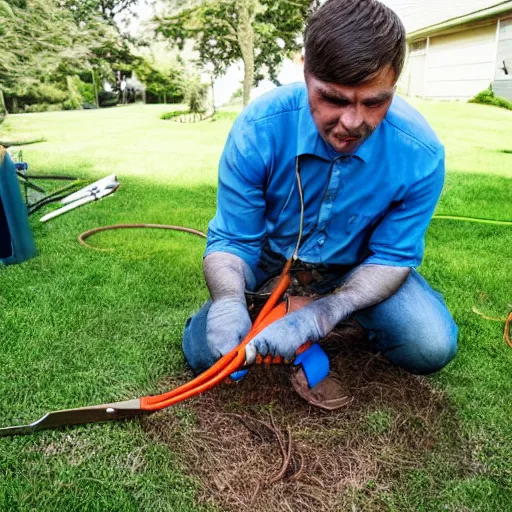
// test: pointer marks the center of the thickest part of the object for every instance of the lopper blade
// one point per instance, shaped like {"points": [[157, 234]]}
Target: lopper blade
{"points": [[94, 414]]}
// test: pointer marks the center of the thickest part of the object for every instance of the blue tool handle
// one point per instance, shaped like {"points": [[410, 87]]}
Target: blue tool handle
{"points": [[315, 363], [21, 166], [238, 375]]}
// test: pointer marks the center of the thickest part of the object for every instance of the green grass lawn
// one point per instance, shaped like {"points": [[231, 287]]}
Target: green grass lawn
{"points": [[79, 327]]}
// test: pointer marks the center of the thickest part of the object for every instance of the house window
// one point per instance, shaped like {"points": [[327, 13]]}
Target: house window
{"points": [[503, 69]]}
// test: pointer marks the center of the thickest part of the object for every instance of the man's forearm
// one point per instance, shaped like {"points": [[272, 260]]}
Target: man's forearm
{"points": [[367, 286], [227, 275], [371, 284]]}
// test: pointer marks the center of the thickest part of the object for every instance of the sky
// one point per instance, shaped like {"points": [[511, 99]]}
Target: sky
{"points": [[144, 12]]}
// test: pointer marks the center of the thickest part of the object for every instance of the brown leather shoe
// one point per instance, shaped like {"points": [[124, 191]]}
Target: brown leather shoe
{"points": [[328, 394]]}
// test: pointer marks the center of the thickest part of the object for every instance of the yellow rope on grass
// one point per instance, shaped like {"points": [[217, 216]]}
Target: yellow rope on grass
{"points": [[507, 330], [508, 321]]}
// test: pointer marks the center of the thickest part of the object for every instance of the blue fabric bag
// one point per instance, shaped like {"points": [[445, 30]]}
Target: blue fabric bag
{"points": [[16, 241]]}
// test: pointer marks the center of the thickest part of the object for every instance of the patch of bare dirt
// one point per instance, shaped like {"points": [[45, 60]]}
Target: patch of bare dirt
{"points": [[258, 446]]}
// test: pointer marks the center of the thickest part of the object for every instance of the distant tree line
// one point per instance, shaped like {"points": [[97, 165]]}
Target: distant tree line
{"points": [[56, 54]]}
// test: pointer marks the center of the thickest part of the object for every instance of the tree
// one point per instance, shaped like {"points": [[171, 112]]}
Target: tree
{"points": [[36, 38], [108, 10], [259, 32], [114, 53], [50, 57], [166, 87], [42, 45]]}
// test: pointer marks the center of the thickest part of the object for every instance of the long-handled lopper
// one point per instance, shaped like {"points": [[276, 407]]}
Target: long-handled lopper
{"points": [[311, 357]]}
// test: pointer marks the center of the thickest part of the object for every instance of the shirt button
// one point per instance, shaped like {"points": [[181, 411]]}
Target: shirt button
{"points": [[321, 241]]}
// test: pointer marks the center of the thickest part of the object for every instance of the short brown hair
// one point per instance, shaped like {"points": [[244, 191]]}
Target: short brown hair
{"points": [[348, 41]]}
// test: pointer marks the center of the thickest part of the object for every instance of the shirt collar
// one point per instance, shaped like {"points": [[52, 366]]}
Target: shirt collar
{"points": [[366, 150], [311, 143]]}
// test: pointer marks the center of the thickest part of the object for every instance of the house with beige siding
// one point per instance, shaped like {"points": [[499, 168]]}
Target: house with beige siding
{"points": [[458, 57]]}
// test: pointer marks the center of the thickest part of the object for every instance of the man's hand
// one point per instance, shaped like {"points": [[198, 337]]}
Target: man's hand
{"points": [[286, 335], [227, 324]]}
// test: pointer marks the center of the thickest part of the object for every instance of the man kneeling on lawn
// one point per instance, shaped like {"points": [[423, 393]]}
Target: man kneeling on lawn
{"points": [[369, 171]]}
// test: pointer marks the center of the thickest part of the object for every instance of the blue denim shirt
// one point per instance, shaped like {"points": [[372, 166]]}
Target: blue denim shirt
{"points": [[372, 206]]}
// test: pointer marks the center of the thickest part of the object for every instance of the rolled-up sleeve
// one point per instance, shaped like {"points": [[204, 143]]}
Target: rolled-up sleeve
{"points": [[399, 238], [239, 223]]}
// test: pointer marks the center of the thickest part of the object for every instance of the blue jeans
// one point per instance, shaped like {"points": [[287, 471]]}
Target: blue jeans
{"points": [[413, 329]]}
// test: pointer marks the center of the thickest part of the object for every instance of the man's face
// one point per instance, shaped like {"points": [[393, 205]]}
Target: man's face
{"points": [[346, 115]]}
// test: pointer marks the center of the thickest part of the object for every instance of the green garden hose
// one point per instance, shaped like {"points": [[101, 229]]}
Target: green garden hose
{"points": [[474, 219]]}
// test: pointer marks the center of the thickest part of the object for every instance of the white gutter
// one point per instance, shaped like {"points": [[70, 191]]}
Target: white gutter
{"points": [[500, 9]]}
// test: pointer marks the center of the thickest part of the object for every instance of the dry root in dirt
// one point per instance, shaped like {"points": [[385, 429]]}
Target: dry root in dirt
{"points": [[258, 446]]}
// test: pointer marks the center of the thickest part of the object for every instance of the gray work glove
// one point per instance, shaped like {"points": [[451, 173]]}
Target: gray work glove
{"points": [[227, 324], [286, 335]]}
